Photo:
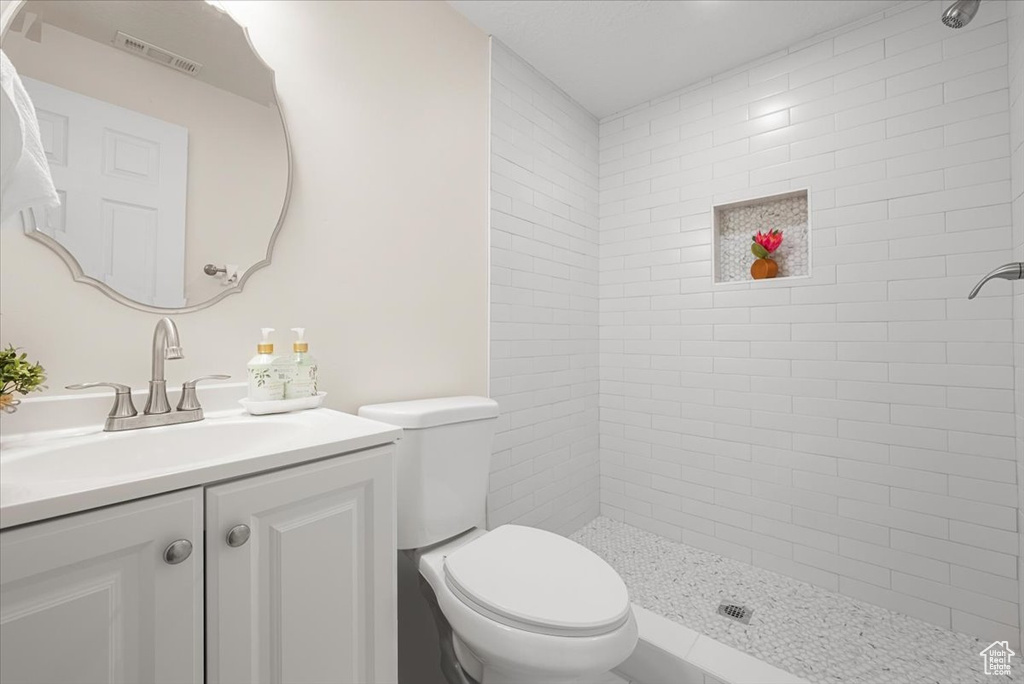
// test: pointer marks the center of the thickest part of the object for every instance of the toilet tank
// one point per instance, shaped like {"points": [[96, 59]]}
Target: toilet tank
{"points": [[443, 465]]}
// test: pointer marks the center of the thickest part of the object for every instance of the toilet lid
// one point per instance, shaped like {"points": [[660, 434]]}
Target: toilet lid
{"points": [[538, 581]]}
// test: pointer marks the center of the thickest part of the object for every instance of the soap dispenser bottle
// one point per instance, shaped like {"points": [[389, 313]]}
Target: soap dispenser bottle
{"points": [[264, 371], [302, 382]]}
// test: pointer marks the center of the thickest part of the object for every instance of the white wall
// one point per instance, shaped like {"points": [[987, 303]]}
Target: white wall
{"points": [[856, 429], [544, 300], [1015, 26], [384, 250]]}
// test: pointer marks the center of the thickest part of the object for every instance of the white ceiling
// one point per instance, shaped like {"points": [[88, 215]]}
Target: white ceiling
{"points": [[612, 54]]}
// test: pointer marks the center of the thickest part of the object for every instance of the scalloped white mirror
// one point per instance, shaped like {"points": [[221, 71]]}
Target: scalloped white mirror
{"points": [[165, 138]]}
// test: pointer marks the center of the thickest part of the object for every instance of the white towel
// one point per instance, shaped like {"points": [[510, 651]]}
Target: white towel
{"points": [[25, 181]]}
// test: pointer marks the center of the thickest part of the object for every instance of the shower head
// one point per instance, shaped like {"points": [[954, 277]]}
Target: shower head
{"points": [[960, 13]]}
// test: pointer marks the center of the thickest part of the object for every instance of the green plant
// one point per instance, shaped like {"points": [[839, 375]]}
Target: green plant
{"points": [[17, 374]]}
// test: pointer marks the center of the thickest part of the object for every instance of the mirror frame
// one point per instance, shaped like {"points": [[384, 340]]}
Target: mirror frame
{"points": [[79, 276]]}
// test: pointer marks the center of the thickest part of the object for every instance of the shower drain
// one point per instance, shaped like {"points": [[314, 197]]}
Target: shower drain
{"points": [[736, 612]]}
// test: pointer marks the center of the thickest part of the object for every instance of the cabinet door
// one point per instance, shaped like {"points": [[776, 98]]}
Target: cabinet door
{"points": [[89, 598], [311, 596]]}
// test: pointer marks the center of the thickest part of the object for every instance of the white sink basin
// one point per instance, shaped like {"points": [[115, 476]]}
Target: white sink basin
{"points": [[104, 455], [57, 473]]}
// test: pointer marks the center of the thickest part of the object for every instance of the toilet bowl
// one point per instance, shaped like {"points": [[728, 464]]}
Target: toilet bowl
{"points": [[527, 605], [524, 605]]}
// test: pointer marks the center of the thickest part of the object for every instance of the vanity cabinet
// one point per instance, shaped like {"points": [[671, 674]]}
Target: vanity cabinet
{"points": [[295, 582], [300, 574], [89, 597]]}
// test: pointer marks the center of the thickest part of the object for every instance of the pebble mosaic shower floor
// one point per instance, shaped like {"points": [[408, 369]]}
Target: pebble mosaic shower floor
{"points": [[808, 631]]}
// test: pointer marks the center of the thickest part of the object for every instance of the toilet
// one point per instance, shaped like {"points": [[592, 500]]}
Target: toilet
{"points": [[524, 605]]}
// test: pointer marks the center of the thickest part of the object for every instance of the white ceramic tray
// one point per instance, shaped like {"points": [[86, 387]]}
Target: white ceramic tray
{"points": [[261, 408]]}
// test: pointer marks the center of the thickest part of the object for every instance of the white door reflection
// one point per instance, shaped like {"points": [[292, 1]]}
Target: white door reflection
{"points": [[122, 178]]}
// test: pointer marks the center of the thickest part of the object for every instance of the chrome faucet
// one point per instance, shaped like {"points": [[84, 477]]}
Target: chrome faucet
{"points": [[123, 415], [165, 346], [1011, 271]]}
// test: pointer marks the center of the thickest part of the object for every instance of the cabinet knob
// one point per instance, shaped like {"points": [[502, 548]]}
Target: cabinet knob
{"points": [[178, 551], [238, 535]]}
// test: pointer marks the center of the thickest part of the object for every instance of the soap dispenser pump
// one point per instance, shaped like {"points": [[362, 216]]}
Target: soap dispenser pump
{"points": [[264, 371], [303, 380]]}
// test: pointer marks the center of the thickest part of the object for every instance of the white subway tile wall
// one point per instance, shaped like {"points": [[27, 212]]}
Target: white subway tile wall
{"points": [[856, 430], [544, 301], [1015, 24]]}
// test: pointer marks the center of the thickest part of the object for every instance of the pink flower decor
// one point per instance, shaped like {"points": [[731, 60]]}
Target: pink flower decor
{"points": [[766, 243]]}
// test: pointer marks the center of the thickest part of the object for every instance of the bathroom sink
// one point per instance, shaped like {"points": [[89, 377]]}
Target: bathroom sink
{"points": [[55, 473], [103, 455]]}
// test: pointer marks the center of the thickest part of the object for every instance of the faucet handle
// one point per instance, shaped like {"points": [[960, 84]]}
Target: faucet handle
{"points": [[123, 406], [189, 401], [191, 384]]}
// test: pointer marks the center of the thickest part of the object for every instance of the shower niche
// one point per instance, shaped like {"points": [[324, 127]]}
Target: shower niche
{"points": [[736, 223]]}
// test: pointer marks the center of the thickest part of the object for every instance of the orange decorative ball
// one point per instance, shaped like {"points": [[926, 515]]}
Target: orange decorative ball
{"points": [[764, 268]]}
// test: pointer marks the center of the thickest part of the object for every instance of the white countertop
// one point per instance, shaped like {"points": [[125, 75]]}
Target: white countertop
{"points": [[53, 473]]}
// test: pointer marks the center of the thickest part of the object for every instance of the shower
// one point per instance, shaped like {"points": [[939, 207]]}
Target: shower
{"points": [[960, 13]]}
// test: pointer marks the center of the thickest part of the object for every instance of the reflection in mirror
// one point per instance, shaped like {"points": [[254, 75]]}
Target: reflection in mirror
{"points": [[165, 139]]}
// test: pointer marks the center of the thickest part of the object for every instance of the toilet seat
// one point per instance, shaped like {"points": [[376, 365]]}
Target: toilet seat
{"points": [[539, 582]]}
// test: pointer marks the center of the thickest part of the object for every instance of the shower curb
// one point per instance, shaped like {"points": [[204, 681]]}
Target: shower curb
{"points": [[670, 652]]}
